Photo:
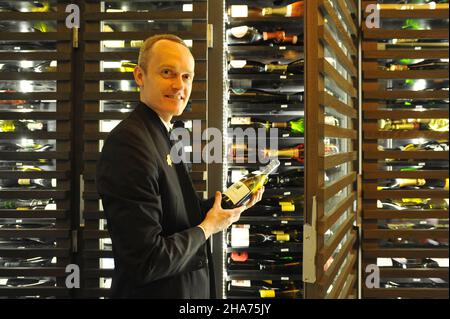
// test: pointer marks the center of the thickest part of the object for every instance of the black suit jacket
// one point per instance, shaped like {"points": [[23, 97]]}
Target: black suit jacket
{"points": [[152, 212]]}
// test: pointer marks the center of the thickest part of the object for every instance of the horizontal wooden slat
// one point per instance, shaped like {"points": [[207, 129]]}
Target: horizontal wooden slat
{"points": [[328, 100], [408, 233], [346, 85], [90, 253], [339, 132], [96, 273], [404, 252], [32, 16], [404, 34], [330, 218], [409, 74], [349, 267], [37, 194], [330, 273], [404, 134], [37, 36], [348, 41], [401, 54], [327, 250], [34, 116], [19, 56], [405, 114], [35, 252], [438, 174], [32, 291], [389, 272], [330, 190], [342, 57], [31, 271], [129, 96], [419, 293], [42, 76], [151, 15], [392, 95], [338, 159], [33, 155], [32, 233], [408, 14], [36, 96], [198, 33], [37, 174], [430, 155], [349, 22], [38, 213], [407, 213], [421, 193]]}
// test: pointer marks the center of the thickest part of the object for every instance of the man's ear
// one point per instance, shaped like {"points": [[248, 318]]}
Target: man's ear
{"points": [[137, 72]]}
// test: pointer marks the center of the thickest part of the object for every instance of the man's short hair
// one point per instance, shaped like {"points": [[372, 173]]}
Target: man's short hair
{"points": [[148, 44]]}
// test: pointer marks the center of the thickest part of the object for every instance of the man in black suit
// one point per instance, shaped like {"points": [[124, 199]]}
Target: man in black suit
{"points": [[158, 226]]}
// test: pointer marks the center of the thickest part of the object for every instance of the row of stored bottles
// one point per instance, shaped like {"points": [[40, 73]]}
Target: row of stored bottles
{"points": [[265, 95]]}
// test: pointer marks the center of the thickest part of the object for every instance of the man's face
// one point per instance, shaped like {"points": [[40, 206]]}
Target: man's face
{"points": [[167, 83]]}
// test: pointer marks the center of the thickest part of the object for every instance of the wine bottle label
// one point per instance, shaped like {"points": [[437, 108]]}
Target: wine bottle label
{"points": [[239, 11], [3, 282], [241, 283], [238, 64], [239, 32], [53, 182], [50, 207], [35, 126], [241, 121], [240, 237], [288, 208], [24, 181], [237, 191], [276, 67], [282, 237], [267, 293]]}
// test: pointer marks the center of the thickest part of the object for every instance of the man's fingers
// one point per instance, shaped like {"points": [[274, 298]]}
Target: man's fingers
{"points": [[218, 200]]}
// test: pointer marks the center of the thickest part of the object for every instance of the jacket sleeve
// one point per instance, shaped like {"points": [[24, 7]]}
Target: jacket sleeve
{"points": [[127, 181]]}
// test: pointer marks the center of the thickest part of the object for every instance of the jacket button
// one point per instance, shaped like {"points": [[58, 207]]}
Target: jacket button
{"points": [[200, 263]]}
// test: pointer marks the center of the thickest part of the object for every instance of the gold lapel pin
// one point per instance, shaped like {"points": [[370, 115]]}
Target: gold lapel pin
{"points": [[169, 160]]}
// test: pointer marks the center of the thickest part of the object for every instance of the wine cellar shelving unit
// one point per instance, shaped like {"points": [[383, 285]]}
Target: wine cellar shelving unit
{"points": [[36, 150], [405, 223], [331, 266]]}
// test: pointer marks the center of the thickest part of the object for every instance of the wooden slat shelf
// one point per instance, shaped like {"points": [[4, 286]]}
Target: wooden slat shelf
{"points": [[401, 193], [424, 155], [404, 34], [348, 41], [36, 76], [328, 220], [35, 194], [328, 100], [401, 54], [409, 74], [392, 95], [409, 233], [342, 277], [199, 32], [339, 132], [408, 14], [344, 59], [34, 116], [331, 161], [330, 190], [414, 272], [327, 250], [405, 252], [33, 271], [331, 272], [426, 174], [404, 214], [404, 134], [346, 85], [405, 114], [33, 252], [419, 293]]}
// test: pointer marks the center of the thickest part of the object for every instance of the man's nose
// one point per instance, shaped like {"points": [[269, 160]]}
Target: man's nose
{"points": [[178, 83]]}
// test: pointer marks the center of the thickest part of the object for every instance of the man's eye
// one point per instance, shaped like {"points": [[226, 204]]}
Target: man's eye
{"points": [[187, 76], [167, 72]]}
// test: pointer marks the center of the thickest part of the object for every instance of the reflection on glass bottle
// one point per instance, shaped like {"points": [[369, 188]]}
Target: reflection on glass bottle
{"points": [[408, 64], [294, 126], [239, 150], [296, 9], [254, 67], [259, 96]]}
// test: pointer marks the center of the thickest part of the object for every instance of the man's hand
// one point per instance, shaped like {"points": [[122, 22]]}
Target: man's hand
{"points": [[218, 219]]}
